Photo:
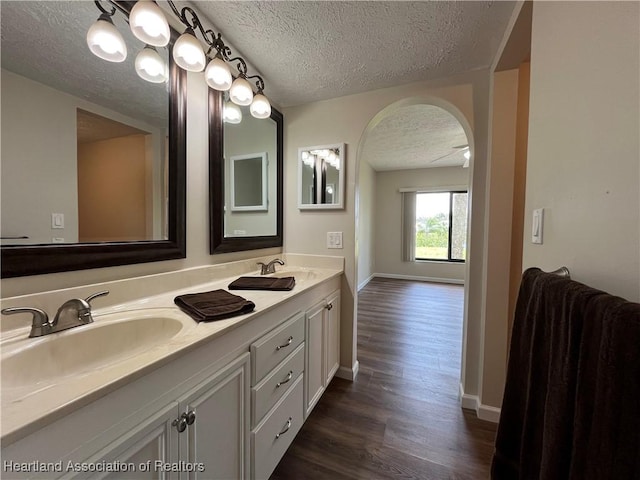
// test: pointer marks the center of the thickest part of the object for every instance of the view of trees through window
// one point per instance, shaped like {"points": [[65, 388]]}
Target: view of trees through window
{"points": [[441, 226]]}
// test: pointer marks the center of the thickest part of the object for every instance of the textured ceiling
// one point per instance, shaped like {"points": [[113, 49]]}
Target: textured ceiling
{"points": [[94, 128], [46, 41], [315, 50], [416, 136], [306, 51]]}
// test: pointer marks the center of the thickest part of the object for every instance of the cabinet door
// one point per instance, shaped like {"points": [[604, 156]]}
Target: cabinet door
{"points": [[332, 336], [218, 438], [314, 375], [145, 452]]}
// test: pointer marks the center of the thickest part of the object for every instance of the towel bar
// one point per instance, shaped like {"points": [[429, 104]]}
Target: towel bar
{"points": [[563, 272]]}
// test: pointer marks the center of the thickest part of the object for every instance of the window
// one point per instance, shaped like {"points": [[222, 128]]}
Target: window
{"points": [[441, 226]]}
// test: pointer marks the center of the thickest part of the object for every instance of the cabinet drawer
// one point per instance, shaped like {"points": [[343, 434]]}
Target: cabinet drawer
{"points": [[275, 433], [275, 346], [276, 384]]}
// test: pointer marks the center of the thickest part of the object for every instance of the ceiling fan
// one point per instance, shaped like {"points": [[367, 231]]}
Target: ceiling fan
{"points": [[456, 149]]}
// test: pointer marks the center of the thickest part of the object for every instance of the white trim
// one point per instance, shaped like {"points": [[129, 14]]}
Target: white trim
{"points": [[434, 189], [468, 402], [455, 281], [483, 412], [364, 284], [488, 413], [348, 373]]}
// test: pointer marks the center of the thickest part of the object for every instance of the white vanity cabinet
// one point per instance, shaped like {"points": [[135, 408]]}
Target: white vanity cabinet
{"points": [[323, 347], [239, 397], [204, 434]]}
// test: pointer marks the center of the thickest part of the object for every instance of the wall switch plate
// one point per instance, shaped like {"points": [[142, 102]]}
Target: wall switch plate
{"points": [[57, 220], [334, 239], [537, 226]]}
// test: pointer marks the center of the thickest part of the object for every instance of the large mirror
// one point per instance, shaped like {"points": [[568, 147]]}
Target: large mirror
{"points": [[93, 156], [246, 172], [321, 177]]}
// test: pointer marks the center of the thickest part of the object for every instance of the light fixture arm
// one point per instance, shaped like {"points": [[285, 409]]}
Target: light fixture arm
{"points": [[109, 13]]}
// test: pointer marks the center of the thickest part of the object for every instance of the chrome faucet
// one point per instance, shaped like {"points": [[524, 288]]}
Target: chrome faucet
{"points": [[72, 313], [266, 268]]}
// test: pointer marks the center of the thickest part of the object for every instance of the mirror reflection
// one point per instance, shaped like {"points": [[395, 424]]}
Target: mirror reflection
{"points": [[85, 141], [250, 187], [321, 176]]}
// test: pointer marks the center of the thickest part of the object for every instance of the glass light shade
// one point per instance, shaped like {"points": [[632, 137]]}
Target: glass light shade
{"points": [[149, 24], [232, 113], [217, 75], [188, 53], [104, 40], [241, 92], [151, 67], [260, 106]]}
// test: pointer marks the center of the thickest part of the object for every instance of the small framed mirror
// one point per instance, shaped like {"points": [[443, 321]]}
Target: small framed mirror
{"points": [[249, 182], [321, 177]]}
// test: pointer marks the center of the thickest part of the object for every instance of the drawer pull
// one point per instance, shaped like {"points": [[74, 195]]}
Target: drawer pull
{"points": [[286, 429], [289, 340], [286, 380], [329, 306]]}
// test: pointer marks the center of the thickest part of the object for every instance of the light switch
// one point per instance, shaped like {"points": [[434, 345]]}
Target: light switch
{"points": [[57, 220], [334, 239], [537, 225]]}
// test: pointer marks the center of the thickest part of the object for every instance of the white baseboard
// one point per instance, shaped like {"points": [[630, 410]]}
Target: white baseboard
{"points": [[348, 373], [364, 284], [483, 412], [454, 281]]}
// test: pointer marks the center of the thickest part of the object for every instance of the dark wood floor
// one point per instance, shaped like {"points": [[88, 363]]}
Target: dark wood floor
{"points": [[401, 417]]}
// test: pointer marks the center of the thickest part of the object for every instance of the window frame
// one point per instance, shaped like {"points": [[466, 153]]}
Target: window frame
{"points": [[449, 236]]}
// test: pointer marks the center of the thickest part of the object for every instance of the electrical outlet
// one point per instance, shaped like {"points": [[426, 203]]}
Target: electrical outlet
{"points": [[57, 240], [334, 239]]}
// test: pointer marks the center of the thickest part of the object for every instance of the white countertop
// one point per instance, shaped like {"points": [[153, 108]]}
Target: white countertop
{"points": [[27, 408]]}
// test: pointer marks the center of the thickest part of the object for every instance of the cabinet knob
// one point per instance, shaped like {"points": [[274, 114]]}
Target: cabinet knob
{"points": [[286, 428], [189, 417], [180, 423], [289, 340], [329, 306]]}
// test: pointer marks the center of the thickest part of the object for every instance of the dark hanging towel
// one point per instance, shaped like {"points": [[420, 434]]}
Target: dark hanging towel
{"points": [[570, 406], [214, 305]]}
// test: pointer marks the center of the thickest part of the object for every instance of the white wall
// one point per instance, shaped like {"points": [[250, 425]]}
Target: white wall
{"points": [[388, 220], [583, 157], [366, 223], [345, 120]]}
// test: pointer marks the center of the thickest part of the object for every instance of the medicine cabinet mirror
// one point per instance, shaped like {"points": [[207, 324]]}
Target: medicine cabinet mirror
{"points": [[246, 175], [321, 177], [66, 116]]}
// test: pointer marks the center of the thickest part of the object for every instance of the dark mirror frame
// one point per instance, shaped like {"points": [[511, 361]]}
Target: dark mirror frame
{"points": [[218, 243], [23, 260]]}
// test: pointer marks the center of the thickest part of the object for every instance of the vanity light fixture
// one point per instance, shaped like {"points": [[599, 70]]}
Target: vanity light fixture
{"points": [[232, 113], [104, 39], [149, 24], [150, 66]]}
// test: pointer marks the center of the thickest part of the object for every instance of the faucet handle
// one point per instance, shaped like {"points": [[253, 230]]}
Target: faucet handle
{"points": [[96, 295], [39, 320]]}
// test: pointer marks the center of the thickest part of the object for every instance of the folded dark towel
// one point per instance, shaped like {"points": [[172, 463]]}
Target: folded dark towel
{"points": [[214, 305], [263, 283]]}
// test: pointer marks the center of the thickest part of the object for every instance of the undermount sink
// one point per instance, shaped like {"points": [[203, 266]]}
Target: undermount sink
{"points": [[110, 339]]}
